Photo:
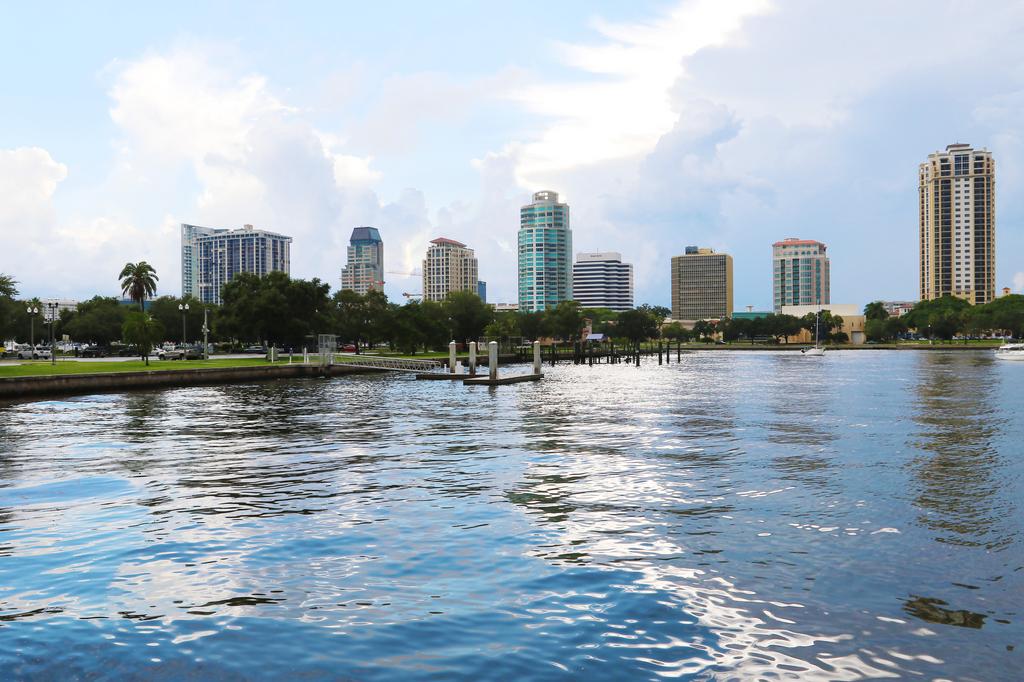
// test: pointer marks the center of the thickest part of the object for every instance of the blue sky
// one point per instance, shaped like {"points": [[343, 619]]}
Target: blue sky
{"points": [[663, 124]]}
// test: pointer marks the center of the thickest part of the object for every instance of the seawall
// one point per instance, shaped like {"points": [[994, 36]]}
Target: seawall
{"points": [[13, 388]]}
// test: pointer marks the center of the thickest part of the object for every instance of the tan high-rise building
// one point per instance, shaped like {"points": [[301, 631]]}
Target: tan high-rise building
{"points": [[701, 285], [958, 224], [449, 266], [800, 273]]}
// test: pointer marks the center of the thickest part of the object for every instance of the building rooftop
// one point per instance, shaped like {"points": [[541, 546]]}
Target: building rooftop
{"points": [[793, 241], [445, 240], [365, 234], [545, 195], [599, 256]]}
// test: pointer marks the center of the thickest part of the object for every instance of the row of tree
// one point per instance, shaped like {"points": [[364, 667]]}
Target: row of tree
{"points": [[277, 309], [947, 317]]}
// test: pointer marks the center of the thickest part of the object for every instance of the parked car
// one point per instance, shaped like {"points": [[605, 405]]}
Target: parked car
{"points": [[30, 353], [94, 352], [348, 348], [184, 353], [255, 350]]}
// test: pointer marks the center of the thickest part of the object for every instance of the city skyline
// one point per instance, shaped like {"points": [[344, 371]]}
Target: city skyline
{"points": [[643, 118]]}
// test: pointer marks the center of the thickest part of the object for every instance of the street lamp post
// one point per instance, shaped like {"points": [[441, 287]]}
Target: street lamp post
{"points": [[51, 308], [206, 330], [32, 312], [184, 311]]}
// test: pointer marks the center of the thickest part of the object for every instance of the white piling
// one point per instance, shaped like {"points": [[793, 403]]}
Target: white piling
{"points": [[472, 358], [451, 357], [492, 360], [536, 357]]}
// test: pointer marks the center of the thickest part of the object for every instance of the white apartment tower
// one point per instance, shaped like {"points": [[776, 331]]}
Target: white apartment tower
{"points": [[602, 280], [449, 266], [958, 224], [211, 257]]}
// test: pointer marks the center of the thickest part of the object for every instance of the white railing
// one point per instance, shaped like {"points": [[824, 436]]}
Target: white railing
{"points": [[393, 364]]}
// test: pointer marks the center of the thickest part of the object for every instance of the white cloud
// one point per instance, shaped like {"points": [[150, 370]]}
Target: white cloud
{"points": [[29, 178], [621, 104]]}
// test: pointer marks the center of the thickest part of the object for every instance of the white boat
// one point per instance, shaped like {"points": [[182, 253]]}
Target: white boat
{"points": [[817, 350], [1010, 351]]}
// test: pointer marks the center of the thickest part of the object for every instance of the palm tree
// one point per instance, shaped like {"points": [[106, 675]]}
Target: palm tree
{"points": [[138, 280], [8, 287]]}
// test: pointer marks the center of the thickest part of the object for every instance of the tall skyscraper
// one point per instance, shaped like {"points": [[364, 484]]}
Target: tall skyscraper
{"points": [[449, 266], [602, 280], [364, 268], [701, 285], [545, 253], [958, 224], [800, 273], [210, 257]]}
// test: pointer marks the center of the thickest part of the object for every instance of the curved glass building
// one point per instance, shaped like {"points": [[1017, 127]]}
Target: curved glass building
{"points": [[545, 253]]}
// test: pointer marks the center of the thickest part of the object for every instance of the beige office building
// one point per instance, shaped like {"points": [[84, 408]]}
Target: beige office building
{"points": [[958, 224], [701, 285], [449, 266]]}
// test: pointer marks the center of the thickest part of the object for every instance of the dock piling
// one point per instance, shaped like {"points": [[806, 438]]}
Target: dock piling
{"points": [[451, 357], [536, 357], [472, 358], [492, 360]]}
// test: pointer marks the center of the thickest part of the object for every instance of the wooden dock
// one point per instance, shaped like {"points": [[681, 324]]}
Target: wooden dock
{"points": [[500, 381]]}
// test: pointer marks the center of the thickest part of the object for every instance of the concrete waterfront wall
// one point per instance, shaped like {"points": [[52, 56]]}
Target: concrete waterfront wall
{"points": [[14, 388]]}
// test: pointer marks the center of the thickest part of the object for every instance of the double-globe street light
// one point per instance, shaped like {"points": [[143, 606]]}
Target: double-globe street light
{"points": [[32, 312], [183, 308]]}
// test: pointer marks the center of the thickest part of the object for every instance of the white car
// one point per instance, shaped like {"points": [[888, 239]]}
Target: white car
{"points": [[30, 353]]}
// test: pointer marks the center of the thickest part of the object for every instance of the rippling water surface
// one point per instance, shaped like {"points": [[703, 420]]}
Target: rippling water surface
{"points": [[733, 516]]}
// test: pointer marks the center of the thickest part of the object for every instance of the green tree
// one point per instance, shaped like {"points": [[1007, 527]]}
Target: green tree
{"points": [[8, 286], [274, 309], [565, 320], [875, 311], [781, 326], [828, 325], [504, 326], [98, 320], [602, 320], [142, 331], [659, 311], [636, 325], [468, 315], [1005, 314], [138, 282], [704, 329], [165, 311], [675, 332], [941, 317], [8, 306], [532, 325]]}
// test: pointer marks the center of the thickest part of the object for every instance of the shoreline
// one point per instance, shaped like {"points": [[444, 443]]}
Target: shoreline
{"points": [[16, 388], [43, 385]]}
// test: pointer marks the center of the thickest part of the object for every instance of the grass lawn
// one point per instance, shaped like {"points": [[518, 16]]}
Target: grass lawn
{"points": [[44, 368]]}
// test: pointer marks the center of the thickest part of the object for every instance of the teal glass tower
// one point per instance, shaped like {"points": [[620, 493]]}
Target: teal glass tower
{"points": [[545, 253]]}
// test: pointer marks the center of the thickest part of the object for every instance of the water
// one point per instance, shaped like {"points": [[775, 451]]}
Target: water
{"points": [[735, 516]]}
